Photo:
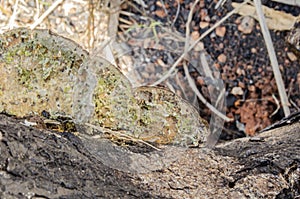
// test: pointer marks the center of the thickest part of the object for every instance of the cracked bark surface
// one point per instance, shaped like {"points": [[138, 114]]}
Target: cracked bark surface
{"points": [[40, 163]]}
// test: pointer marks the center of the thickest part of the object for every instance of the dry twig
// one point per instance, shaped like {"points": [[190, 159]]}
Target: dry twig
{"points": [[273, 59], [200, 96], [119, 135], [177, 13], [277, 106]]}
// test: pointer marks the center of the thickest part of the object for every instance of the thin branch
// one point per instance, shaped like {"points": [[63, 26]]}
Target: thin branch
{"points": [[220, 3], [177, 13], [294, 104], [208, 71], [273, 59], [200, 96], [187, 28], [277, 107]]}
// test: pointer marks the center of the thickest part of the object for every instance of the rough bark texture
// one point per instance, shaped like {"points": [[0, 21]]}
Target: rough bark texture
{"points": [[39, 163]]}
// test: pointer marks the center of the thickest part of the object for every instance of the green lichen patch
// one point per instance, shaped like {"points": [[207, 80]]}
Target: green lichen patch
{"points": [[167, 118], [38, 70], [113, 98], [148, 113]]}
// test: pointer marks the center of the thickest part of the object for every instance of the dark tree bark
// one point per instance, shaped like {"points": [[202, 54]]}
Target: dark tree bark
{"points": [[40, 163]]}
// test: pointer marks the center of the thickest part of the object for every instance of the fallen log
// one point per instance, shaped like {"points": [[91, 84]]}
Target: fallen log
{"points": [[41, 163]]}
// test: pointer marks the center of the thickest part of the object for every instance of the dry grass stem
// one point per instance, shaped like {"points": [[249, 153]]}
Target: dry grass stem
{"points": [[45, 14], [120, 135], [220, 3], [295, 105], [13, 17], [37, 10], [273, 59], [187, 28], [177, 13], [200, 96], [277, 107], [205, 66]]}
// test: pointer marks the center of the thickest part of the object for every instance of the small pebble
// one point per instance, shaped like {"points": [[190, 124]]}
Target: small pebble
{"points": [[240, 71], [251, 88], [237, 91], [249, 67], [161, 63], [207, 18], [221, 45], [246, 25], [220, 31], [298, 78], [152, 8], [222, 58], [253, 50], [203, 24], [292, 56], [159, 4], [199, 46], [160, 13], [202, 4], [195, 35]]}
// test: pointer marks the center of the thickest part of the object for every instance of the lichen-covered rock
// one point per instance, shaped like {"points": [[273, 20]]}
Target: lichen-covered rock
{"points": [[38, 70], [43, 71]]}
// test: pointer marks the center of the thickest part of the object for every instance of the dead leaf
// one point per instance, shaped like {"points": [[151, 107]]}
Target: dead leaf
{"points": [[276, 20]]}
